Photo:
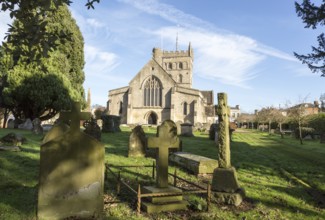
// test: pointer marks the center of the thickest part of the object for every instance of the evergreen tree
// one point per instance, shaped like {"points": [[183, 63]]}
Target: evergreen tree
{"points": [[38, 86], [313, 16], [32, 14]]}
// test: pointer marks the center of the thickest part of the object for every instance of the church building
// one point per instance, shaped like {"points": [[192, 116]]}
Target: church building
{"points": [[162, 90]]}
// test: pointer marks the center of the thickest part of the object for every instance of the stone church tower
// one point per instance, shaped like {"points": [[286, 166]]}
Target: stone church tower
{"points": [[163, 90]]}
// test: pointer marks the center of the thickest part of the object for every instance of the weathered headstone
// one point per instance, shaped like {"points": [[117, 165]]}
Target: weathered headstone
{"points": [[178, 126], [92, 128], [111, 123], [186, 130], [11, 123], [71, 171], [198, 126], [27, 125], [225, 185], [13, 139], [212, 131], [137, 142], [37, 127], [166, 139], [172, 127]]}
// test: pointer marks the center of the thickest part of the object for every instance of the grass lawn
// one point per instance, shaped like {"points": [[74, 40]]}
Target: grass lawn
{"points": [[282, 179]]}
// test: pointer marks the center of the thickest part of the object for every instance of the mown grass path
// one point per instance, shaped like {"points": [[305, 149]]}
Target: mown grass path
{"points": [[261, 160]]}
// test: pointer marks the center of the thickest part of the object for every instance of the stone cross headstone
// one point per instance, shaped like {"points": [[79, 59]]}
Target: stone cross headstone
{"points": [[167, 138], [74, 116], [223, 112], [92, 128], [71, 179]]}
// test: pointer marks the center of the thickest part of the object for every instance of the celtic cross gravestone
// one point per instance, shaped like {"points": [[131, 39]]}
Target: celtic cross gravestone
{"points": [[225, 185]]}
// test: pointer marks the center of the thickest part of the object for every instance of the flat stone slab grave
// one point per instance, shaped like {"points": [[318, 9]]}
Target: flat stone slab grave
{"points": [[194, 163], [163, 203]]}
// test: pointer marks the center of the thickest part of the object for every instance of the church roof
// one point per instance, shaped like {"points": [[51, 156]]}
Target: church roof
{"points": [[208, 95], [161, 71]]}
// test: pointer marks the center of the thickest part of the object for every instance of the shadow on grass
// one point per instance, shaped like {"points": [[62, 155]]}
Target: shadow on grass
{"points": [[18, 185], [116, 143], [267, 161], [20, 198]]}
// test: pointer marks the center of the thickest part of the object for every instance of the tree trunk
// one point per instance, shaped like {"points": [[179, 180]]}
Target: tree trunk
{"points": [[5, 117], [300, 133], [280, 125]]}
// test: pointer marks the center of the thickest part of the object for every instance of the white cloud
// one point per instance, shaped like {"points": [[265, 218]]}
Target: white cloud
{"points": [[229, 58], [219, 54], [168, 13], [93, 22], [98, 61]]}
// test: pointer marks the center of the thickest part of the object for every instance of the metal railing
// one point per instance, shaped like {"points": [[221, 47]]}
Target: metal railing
{"points": [[139, 195]]}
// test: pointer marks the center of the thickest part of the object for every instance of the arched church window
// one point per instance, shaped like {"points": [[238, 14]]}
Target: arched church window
{"points": [[180, 78], [170, 66], [180, 65], [152, 92], [185, 108]]}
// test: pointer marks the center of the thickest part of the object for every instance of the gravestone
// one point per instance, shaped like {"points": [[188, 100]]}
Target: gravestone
{"points": [[11, 142], [195, 163], [11, 123], [13, 139], [92, 128], [26, 125], [71, 180], [137, 142], [225, 186], [111, 123], [186, 130], [166, 139], [178, 126], [198, 126], [212, 131], [37, 127], [172, 127]]}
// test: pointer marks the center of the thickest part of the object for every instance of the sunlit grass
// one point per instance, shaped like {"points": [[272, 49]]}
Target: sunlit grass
{"points": [[259, 159]]}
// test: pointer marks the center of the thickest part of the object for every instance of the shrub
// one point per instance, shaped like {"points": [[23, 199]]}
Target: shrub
{"points": [[304, 132], [317, 122]]}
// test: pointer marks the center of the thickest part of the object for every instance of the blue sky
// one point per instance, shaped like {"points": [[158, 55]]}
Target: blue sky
{"points": [[243, 48]]}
